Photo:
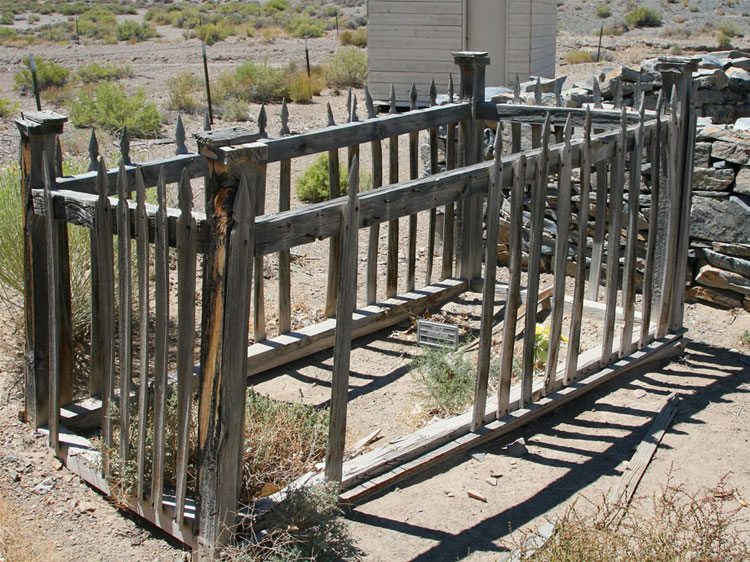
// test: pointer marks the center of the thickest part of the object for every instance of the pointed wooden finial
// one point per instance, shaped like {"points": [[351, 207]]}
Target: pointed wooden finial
{"points": [[451, 88], [329, 111], [348, 105], [558, 94], [538, 91], [517, 89], [587, 123], [413, 96], [433, 93], [353, 184], [140, 192], [369, 104], [618, 93], [284, 119], [498, 146], [546, 130], [185, 194], [206, 120], [125, 146], [262, 121], [243, 208], [353, 118], [393, 99], [179, 137], [568, 130], [102, 185], [597, 94], [93, 152]]}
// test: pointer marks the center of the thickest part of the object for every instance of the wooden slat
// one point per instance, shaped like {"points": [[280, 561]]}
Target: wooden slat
{"points": [[433, 133], [539, 200], [600, 226], [334, 252], [536, 114], [513, 300], [449, 222], [613, 245], [574, 334], [285, 281], [343, 338], [376, 149], [142, 250], [561, 257], [54, 332], [186, 259], [125, 313], [161, 347], [259, 299], [411, 267], [494, 202], [391, 282]]}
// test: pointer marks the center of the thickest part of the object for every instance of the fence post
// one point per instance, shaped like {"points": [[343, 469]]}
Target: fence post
{"points": [[472, 66], [230, 195], [39, 130]]}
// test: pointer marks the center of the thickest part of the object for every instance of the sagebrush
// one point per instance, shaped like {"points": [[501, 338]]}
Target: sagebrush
{"points": [[109, 107]]}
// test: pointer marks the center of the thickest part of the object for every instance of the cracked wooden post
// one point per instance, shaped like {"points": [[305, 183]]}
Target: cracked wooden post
{"points": [[472, 66], [230, 194], [39, 131]]}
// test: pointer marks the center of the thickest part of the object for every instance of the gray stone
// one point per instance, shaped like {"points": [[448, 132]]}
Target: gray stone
{"points": [[708, 62], [742, 182], [714, 194], [517, 448], [717, 132], [729, 263], [721, 279], [576, 97], [742, 63], [549, 85], [739, 79], [702, 154], [731, 54], [741, 250], [720, 220], [719, 113], [738, 154], [711, 179], [714, 78]]}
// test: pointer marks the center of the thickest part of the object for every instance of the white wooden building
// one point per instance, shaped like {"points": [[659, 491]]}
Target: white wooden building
{"points": [[413, 41]]}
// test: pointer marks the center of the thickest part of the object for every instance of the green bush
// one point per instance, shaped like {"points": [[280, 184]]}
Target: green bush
{"points": [[96, 72], [347, 67], [108, 107], [7, 107], [48, 74], [7, 35], [603, 11], [133, 31], [6, 18], [182, 92], [305, 26], [313, 186], [643, 17], [210, 33], [446, 379]]}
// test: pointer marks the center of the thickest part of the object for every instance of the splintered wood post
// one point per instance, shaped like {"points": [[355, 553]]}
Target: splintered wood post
{"points": [[628, 277], [38, 131], [538, 202], [561, 257], [53, 268], [334, 252], [125, 313], [648, 281], [515, 128], [343, 336], [142, 251], [574, 335], [391, 278], [285, 189], [446, 269], [613, 242], [223, 378], [413, 174], [186, 260], [514, 286], [105, 309], [161, 344], [472, 66], [377, 181], [494, 202], [433, 170]]}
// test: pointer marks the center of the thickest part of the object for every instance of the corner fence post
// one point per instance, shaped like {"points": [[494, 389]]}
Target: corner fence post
{"points": [[39, 131], [677, 76], [231, 192], [472, 66]]}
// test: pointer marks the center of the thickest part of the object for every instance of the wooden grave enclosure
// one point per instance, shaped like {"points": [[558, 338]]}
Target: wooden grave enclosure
{"points": [[137, 365]]}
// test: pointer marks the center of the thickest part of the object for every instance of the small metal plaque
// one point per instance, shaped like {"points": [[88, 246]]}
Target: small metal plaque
{"points": [[437, 334]]}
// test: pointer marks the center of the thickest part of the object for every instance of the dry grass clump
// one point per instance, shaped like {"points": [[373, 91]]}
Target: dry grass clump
{"points": [[673, 526], [578, 57]]}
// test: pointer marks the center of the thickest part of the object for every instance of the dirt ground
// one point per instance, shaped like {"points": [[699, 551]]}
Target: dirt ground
{"points": [[579, 450]]}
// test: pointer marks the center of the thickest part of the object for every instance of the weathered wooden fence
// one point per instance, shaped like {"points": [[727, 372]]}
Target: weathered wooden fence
{"points": [[140, 360]]}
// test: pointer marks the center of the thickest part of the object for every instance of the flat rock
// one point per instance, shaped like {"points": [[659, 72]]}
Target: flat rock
{"points": [[739, 79], [720, 220], [721, 279], [714, 78], [702, 154], [711, 179], [742, 181], [741, 250], [742, 63], [518, 448], [731, 152], [729, 263], [473, 494], [717, 132], [719, 297]]}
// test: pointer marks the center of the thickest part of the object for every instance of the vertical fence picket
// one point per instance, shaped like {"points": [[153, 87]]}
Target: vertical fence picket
{"points": [[536, 130], [343, 335], [600, 221], [125, 313], [142, 252], [449, 220], [285, 188], [561, 257], [494, 202], [391, 281], [334, 252], [539, 201], [377, 181], [259, 299], [186, 259], [433, 170], [515, 128], [574, 335], [161, 345], [413, 174], [125, 147]]}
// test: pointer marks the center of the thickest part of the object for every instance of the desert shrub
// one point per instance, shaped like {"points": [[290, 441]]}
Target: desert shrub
{"points": [[7, 35], [7, 107], [347, 67], [133, 31], [313, 185], [32, 19], [96, 72], [612, 30], [445, 378], [109, 107], [603, 11], [47, 73], [211, 33], [6, 18], [302, 87], [729, 28], [643, 17], [578, 57], [356, 38], [724, 41], [99, 23], [305, 26], [182, 92], [234, 109]]}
